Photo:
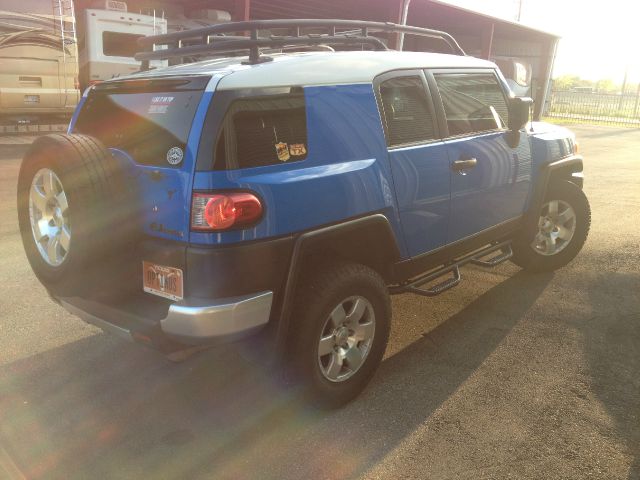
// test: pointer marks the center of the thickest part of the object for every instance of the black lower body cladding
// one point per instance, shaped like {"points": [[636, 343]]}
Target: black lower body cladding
{"points": [[241, 269], [224, 271]]}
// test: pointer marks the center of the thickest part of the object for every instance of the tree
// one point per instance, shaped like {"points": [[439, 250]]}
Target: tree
{"points": [[567, 82], [606, 86]]}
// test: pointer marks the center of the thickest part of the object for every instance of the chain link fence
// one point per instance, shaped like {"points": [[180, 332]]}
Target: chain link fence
{"points": [[592, 107]]}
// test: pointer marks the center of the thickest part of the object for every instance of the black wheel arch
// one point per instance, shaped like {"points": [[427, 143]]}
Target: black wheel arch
{"points": [[367, 240], [566, 169]]}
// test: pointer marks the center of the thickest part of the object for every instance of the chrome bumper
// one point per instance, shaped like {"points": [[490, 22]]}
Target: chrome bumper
{"points": [[193, 322], [227, 318]]}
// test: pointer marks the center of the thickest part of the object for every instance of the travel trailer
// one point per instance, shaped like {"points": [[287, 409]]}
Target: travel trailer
{"points": [[108, 41], [39, 74]]}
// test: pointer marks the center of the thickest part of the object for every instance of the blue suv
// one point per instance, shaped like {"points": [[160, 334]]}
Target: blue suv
{"points": [[288, 192]]}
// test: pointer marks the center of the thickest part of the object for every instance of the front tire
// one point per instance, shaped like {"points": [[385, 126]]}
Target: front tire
{"points": [[561, 231], [341, 323]]}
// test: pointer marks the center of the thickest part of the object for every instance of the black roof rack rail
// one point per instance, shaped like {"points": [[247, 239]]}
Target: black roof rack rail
{"points": [[215, 39]]}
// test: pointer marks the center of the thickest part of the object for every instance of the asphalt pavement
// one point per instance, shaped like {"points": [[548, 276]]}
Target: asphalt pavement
{"points": [[509, 375]]}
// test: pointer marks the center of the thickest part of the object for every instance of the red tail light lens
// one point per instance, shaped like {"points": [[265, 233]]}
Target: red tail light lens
{"points": [[223, 211]]}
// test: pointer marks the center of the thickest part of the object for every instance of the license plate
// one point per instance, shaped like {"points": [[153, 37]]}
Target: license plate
{"points": [[32, 99], [162, 281]]}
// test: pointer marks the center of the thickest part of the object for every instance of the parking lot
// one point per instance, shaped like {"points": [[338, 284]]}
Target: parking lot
{"points": [[509, 375]]}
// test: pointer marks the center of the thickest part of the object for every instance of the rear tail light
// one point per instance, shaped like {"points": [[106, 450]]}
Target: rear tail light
{"points": [[224, 211]]}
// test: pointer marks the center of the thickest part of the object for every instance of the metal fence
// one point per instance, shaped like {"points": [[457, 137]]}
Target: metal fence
{"points": [[591, 107]]}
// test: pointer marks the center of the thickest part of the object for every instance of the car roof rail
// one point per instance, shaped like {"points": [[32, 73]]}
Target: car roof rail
{"points": [[217, 39]]}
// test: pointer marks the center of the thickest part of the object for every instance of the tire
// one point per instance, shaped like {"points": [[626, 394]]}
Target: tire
{"points": [[569, 236], [96, 219], [357, 289]]}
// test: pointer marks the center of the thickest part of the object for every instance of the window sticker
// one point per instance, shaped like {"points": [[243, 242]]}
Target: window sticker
{"points": [[282, 151], [160, 104], [175, 155], [297, 149]]}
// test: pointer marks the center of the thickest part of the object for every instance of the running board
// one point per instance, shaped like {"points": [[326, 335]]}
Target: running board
{"points": [[504, 253]]}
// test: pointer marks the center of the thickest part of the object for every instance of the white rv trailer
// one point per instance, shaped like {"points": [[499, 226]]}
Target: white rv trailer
{"points": [[48, 55], [108, 42], [38, 54]]}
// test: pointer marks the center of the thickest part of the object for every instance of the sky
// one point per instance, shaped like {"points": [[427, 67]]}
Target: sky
{"points": [[599, 39]]}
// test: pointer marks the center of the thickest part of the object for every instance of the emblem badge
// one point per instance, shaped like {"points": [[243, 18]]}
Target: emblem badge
{"points": [[282, 151], [175, 155]]}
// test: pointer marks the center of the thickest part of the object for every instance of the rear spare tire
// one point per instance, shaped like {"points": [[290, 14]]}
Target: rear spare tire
{"points": [[72, 206]]}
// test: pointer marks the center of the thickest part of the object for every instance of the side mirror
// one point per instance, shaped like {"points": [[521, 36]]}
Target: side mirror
{"points": [[519, 108]]}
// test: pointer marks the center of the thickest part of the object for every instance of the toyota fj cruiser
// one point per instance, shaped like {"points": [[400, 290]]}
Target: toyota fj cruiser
{"points": [[292, 192]]}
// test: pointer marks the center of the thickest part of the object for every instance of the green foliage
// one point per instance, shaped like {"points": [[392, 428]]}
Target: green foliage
{"points": [[567, 82], [606, 85]]}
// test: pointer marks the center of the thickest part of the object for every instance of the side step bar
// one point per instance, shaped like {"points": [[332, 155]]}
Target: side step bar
{"points": [[503, 253]]}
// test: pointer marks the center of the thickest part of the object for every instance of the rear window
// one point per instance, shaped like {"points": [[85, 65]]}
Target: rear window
{"points": [[116, 44], [151, 126], [263, 131]]}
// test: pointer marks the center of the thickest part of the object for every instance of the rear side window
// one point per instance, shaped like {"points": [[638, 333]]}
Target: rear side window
{"points": [[406, 111], [116, 44], [263, 131], [472, 102]]}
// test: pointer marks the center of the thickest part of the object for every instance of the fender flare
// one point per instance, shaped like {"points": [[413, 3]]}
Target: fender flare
{"points": [[386, 251], [569, 168]]}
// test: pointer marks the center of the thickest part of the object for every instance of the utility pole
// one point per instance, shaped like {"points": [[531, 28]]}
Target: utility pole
{"points": [[520, 9], [624, 87]]}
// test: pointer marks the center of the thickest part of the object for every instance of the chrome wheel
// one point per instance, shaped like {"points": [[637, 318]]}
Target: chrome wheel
{"points": [[346, 339], [556, 227], [48, 213]]}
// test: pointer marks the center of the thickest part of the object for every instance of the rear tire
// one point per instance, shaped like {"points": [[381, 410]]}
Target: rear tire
{"points": [[560, 233], [340, 329]]}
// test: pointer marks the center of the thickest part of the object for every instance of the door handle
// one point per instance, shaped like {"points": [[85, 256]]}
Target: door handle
{"points": [[461, 165]]}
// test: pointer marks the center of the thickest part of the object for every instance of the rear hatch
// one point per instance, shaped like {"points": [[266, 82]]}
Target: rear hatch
{"points": [[147, 126]]}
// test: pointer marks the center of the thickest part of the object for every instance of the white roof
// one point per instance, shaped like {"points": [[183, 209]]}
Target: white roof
{"points": [[316, 68]]}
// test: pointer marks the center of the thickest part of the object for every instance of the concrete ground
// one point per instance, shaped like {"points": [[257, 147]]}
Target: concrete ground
{"points": [[509, 375]]}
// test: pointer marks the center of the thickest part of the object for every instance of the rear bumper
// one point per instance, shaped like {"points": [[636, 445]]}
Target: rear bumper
{"points": [[225, 319], [230, 292], [191, 322]]}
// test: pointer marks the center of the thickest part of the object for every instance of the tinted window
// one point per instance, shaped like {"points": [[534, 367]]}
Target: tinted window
{"points": [[263, 131], [145, 125], [406, 111], [115, 44], [472, 102]]}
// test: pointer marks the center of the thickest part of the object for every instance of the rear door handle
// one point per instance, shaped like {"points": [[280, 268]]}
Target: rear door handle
{"points": [[461, 165]]}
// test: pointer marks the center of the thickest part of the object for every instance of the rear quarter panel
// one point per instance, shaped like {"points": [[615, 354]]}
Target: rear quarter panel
{"points": [[345, 175]]}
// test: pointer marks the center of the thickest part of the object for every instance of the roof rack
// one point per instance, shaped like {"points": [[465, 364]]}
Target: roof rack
{"points": [[216, 39]]}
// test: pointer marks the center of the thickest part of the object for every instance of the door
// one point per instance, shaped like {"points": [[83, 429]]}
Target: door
{"points": [[419, 161], [490, 166]]}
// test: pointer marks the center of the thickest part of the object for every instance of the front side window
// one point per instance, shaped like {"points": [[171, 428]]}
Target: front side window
{"points": [[263, 131], [406, 111], [472, 102]]}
